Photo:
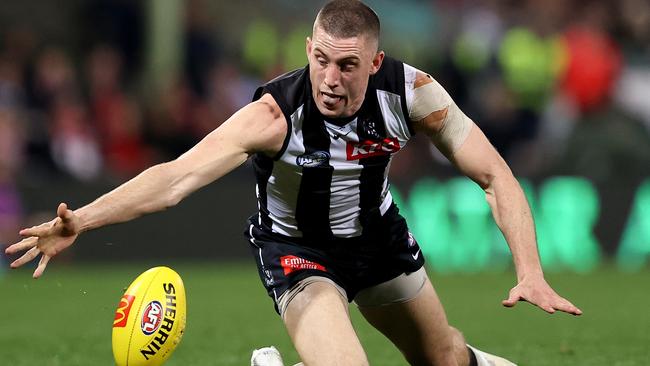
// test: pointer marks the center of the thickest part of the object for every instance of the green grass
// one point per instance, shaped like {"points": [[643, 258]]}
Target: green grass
{"points": [[65, 318]]}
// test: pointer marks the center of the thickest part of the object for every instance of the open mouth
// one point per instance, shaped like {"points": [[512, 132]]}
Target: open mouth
{"points": [[330, 99]]}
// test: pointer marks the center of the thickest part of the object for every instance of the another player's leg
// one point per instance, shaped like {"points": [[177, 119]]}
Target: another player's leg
{"points": [[418, 327], [318, 323]]}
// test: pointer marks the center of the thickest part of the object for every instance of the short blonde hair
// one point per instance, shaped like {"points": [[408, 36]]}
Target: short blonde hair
{"points": [[348, 18]]}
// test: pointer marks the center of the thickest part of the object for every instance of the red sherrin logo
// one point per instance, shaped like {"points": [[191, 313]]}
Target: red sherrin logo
{"points": [[151, 318], [291, 263], [368, 148], [122, 312]]}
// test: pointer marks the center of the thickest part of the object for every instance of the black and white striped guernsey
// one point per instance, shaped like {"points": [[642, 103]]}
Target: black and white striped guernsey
{"points": [[331, 177]]}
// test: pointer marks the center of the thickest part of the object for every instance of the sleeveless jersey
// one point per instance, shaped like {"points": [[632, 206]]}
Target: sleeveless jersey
{"points": [[330, 180]]}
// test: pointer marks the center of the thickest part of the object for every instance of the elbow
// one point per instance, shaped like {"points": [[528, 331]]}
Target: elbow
{"points": [[173, 198], [498, 181], [173, 193], [486, 182], [497, 173]]}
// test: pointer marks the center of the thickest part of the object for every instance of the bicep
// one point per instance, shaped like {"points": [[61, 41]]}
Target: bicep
{"points": [[478, 159], [258, 127], [455, 134]]}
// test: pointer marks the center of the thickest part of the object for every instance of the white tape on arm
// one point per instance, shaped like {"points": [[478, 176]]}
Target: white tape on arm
{"points": [[455, 128], [427, 99], [432, 97]]}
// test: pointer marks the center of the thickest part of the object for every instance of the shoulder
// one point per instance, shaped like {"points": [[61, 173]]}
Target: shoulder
{"points": [[390, 76], [263, 125], [288, 90], [269, 106]]}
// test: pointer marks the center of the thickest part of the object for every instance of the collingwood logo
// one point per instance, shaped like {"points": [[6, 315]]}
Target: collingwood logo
{"points": [[315, 159]]}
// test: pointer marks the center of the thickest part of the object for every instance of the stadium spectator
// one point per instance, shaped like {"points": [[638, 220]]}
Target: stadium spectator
{"points": [[594, 60], [74, 146], [116, 116], [11, 156]]}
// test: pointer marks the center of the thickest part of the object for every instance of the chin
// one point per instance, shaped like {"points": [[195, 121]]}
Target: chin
{"points": [[330, 113]]}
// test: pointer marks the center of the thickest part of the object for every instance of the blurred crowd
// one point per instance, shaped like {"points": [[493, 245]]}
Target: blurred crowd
{"points": [[559, 86]]}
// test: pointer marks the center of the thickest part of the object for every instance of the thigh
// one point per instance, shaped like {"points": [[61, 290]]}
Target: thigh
{"points": [[318, 323], [419, 328], [282, 265]]}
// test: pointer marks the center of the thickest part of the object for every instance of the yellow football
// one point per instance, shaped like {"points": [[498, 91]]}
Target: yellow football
{"points": [[150, 319]]}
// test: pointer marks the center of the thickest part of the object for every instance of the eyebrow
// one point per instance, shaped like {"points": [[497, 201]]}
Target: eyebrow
{"points": [[351, 58]]}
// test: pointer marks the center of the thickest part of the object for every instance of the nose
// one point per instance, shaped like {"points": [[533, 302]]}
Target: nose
{"points": [[332, 76]]}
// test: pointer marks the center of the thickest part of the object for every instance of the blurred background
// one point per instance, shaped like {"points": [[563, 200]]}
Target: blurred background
{"points": [[94, 91]]}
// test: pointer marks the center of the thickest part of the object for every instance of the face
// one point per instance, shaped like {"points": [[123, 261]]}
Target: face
{"points": [[339, 69]]}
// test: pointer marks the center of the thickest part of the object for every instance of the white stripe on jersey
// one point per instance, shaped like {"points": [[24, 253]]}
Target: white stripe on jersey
{"points": [[259, 205], [391, 109], [284, 184], [385, 205], [410, 73], [344, 191], [396, 125]]}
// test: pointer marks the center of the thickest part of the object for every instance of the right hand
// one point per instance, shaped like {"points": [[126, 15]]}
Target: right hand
{"points": [[49, 238]]}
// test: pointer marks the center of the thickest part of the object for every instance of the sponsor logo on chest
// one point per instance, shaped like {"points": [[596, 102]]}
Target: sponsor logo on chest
{"points": [[370, 148]]}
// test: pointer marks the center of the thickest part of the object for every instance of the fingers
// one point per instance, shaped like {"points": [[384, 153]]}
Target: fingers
{"points": [[567, 307], [549, 303], [31, 254], [39, 230], [41, 266], [60, 211], [547, 308], [24, 244], [64, 215], [63, 212], [554, 302], [511, 300]]}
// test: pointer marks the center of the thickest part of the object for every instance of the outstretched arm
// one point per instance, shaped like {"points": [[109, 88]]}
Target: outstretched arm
{"points": [[258, 127], [467, 147]]}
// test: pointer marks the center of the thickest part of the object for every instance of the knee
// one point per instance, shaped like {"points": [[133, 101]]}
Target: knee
{"points": [[453, 351], [446, 351]]}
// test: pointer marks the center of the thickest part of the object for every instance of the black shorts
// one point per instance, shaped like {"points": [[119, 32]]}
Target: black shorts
{"points": [[354, 264]]}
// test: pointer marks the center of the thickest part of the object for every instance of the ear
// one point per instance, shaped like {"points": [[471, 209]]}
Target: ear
{"points": [[308, 45], [376, 62]]}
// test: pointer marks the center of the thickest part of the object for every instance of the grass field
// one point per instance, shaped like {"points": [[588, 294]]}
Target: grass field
{"points": [[65, 318]]}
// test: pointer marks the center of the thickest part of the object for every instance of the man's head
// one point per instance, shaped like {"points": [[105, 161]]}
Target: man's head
{"points": [[342, 55]]}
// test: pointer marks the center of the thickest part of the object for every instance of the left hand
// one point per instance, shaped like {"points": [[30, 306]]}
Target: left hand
{"points": [[536, 291]]}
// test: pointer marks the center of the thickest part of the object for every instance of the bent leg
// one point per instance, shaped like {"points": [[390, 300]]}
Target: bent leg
{"points": [[419, 328], [319, 325]]}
